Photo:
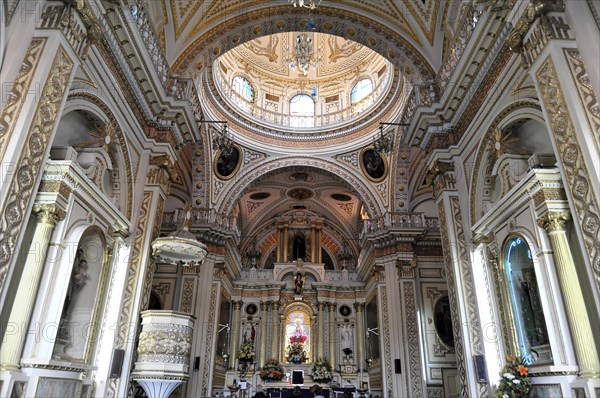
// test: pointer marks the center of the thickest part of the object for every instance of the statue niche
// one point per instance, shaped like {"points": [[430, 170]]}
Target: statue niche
{"points": [[300, 247]]}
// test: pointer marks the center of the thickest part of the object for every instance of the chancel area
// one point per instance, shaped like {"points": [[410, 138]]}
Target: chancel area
{"points": [[299, 198]]}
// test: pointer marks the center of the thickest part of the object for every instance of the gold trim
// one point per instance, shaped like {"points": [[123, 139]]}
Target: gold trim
{"points": [[574, 166], [18, 92], [23, 183], [362, 167], [235, 170]]}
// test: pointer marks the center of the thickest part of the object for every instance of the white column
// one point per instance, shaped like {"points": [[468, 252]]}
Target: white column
{"points": [[48, 215], [275, 332], [332, 334], [264, 307], [320, 331], [581, 330], [360, 335]]}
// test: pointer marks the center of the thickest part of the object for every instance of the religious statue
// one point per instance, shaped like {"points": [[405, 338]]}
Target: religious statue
{"points": [[298, 284]]}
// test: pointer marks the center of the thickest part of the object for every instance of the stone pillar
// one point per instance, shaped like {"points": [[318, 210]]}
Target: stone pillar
{"points": [[459, 274], [264, 308], [313, 244], [279, 250], [318, 244], [284, 244], [360, 335], [235, 333], [48, 215], [410, 333], [332, 334], [583, 339], [321, 331], [275, 332]]}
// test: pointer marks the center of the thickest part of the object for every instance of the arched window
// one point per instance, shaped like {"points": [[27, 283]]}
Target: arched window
{"points": [[302, 111], [243, 87], [363, 88], [528, 315]]}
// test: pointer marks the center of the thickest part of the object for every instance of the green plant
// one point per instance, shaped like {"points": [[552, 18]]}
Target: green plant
{"points": [[321, 371], [272, 370], [514, 378]]}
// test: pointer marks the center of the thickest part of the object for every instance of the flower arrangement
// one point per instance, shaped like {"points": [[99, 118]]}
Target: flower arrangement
{"points": [[321, 371], [272, 371], [246, 353], [515, 381], [295, 351]]}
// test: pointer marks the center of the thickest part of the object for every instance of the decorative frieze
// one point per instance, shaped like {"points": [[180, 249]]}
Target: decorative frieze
{"points": [[18, 93], [22, 184], [587, 96], [573, 161]]}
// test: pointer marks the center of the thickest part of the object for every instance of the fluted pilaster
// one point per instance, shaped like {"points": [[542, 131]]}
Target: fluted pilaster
{"points": [[48, 215], [235, 333], [320, 330], [332, 334], [264, 308], [275, 332], [360, 330], [581, 330]]}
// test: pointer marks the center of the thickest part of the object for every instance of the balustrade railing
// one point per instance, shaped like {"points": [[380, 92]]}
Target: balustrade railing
{"points": [[292, 121], [202, 216], [390, 221]]}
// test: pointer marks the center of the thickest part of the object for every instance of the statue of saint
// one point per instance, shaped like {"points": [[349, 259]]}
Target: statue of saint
{"points": [[298, 284]]}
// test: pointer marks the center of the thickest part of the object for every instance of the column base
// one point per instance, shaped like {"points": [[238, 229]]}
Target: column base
{"points": [[14, 383], [585, 387]]}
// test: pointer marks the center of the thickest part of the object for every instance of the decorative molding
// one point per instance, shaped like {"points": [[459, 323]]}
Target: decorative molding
{"points": [[587, 96], [386, 338], [19, 90], [484, 151], [23, 182], [456, 329], [124, 333], [468, 286], [248, 25], [412, 335], [210, 345], [546, 28], [534, 10], [187, 295], [573, 161]]}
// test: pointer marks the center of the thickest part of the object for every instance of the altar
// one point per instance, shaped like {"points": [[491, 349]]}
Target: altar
{"points": [[288, 392]]}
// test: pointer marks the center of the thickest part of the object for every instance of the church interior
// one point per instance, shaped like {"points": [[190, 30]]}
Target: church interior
{"points": [[384, 198]]}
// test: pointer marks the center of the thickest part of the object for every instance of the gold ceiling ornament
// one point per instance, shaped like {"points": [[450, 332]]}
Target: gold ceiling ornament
{"points": [[502, 145], [103, 138], [303, 56], [311, 4]]}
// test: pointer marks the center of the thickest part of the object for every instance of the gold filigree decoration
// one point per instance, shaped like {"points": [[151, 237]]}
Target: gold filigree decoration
{"points": [[19, 90], [573, 161], [22, 184]]}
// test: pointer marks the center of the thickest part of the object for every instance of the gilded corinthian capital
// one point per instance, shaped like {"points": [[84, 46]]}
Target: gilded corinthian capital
{"points": [[554, 221], [48, 213]]}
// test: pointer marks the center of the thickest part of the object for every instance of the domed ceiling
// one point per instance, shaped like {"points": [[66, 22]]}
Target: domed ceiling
{"points": [[341, 59], [272, 70]]}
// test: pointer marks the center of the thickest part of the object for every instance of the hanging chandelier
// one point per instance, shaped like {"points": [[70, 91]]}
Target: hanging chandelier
{"points": [[312, 4], [303, 57]]}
